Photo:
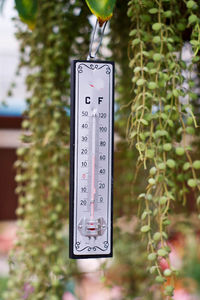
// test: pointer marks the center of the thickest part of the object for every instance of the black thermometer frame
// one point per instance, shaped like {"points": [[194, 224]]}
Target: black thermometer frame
{"points": [[72, 161]]}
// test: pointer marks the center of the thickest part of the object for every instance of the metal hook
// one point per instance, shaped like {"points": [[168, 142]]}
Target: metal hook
{"points": [[92, 56]]}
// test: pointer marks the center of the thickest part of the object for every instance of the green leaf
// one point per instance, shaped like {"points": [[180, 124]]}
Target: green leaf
{"points": [[103, 9], [171, 163], [167, 147], [152, 85], [166, 222], [153, 269], [137, 69], [194, 43], [156, 39], [169, 290], [135, 42], [21, 151], [171, 123], [27, 10], [150, 153], [161, 166], [153, 71], [156, 26], [149, 198], [181, 26], [163, 200], [153, 10], [141, 196], [186, 166], [162, 252], [160, 279], [157, 236], [151, 181], [168, 13], [192, 183], [145, 228], [167, 272], [144, 214], [152, 171], [133, 32], [192, 19], [191, 4], [180, 151], [144, 122], [164, 116], [190, 130], [133, 134], [196, 164], [159, 133], [175, 93], [140, 82], [157, 57], [152, 256], [19, 211], [140, 146]]}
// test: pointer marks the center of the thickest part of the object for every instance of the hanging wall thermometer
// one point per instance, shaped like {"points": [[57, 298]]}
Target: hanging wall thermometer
{"points": [[91, 158]]}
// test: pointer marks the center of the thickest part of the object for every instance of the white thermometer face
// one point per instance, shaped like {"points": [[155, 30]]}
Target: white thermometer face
{"points": [[91, 170]]}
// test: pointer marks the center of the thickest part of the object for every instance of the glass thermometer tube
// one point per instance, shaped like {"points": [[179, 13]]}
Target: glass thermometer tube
{"points": [[93, 140]]}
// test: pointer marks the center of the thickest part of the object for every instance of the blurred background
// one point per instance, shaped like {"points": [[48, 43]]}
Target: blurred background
{"points": [[124, 276], [11, 109]]}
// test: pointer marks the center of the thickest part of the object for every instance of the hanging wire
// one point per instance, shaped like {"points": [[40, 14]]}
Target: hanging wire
{"points": [[95, 31]]}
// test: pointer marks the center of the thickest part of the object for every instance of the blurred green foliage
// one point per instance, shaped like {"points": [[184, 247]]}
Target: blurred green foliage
{"points": [[3, 286], [39, 262]]}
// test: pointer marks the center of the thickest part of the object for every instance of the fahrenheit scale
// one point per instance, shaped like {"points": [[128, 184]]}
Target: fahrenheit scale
{"points": [[91, 159]]}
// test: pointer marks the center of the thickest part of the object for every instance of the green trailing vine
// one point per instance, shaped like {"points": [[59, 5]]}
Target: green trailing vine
{"points": [[38, 263], [124, 157], [162, 117], [193, 21]]}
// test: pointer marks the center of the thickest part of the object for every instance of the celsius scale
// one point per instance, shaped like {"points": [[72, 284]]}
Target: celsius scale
{"points": [[91, 159]]}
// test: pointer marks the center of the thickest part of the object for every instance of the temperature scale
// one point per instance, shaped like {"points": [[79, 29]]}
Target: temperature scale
{"points": [[91, 159]]}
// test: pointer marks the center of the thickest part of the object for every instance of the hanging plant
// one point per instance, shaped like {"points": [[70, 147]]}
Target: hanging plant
{"points": [[38, 263], [162, 118]]}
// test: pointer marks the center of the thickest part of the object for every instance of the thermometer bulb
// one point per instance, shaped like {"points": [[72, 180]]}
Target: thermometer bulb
{"points": [[92, 228]]}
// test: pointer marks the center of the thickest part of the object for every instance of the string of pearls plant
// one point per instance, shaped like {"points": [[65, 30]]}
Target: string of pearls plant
{"points": [[162, 121], [38, 263]]}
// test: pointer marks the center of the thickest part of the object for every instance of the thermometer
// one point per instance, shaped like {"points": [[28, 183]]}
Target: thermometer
{"points": [[91, 159]]}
